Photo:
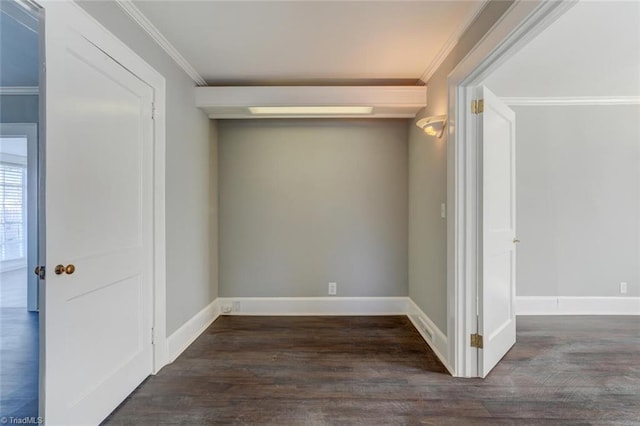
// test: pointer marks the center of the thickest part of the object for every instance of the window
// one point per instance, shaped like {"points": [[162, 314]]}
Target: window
{"points": [[12, 211], [13, 177]]}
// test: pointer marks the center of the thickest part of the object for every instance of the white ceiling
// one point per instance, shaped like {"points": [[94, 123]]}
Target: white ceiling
{"points": [[591, 50], [310, 42]]}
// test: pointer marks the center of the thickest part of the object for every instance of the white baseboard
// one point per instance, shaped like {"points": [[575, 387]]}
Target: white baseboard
{"points": [[536, 305], [564, 305], [192, 329], [314, 305], [434, 337]]}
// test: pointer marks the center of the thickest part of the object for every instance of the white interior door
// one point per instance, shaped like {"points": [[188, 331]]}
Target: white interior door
{"points": [[496, 290], [99, 218]]}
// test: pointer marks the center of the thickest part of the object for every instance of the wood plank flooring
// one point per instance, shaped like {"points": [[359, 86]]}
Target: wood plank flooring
{"points": [[18, 363], [18, 348], [378, 371]]}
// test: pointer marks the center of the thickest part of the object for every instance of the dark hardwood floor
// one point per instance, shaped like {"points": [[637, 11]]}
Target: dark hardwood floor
{"points": [[18, 348], [378, 371]]}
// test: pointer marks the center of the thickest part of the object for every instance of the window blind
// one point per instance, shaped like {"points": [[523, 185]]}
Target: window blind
{"points": [[12, 211]]}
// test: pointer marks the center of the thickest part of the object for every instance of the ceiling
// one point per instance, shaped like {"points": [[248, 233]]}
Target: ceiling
{"points": [[591, 50], [311, 42]]}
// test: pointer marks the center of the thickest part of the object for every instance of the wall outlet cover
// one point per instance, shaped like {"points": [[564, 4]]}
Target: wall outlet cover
{"points": [[333, 288], [623, 288]]}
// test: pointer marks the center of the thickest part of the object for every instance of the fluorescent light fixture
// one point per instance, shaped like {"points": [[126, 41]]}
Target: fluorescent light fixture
{"points": [[311, 110], [433, 126]]}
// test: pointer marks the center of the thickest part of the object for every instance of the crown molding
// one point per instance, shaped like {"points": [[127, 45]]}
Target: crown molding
{"points": [[571, 100], [24, 91], [451, 42], [139, 17]]}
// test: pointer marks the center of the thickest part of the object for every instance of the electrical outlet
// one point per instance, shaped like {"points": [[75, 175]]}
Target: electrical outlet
{"points": [[226, 309], [236, 306], [443, 210], [623, 288], [333, 288]]}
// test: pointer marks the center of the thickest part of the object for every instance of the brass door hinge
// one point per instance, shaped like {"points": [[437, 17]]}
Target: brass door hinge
{"points": [[476, 341], [477, 106]]}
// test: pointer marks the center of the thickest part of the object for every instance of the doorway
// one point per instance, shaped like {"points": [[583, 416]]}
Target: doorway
{"points": [[510, 37], [579, 256], [19, 151]]}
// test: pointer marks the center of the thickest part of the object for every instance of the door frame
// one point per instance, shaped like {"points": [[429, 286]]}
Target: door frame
{"points": [[30, 131], [95, 33], [522, 22]]}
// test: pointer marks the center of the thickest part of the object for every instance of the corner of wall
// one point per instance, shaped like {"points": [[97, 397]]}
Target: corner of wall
{"points": [[427, 229], [214, 270], [430, 332], [186, 334]]}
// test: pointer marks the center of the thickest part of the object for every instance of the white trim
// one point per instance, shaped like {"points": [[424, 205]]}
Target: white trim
{"points": [[453, 40], [315, 305], [434, 337], [191, 330], [571, 100], [575, 305], [536, 305], [236, 101], [19, 91], [97, 34], [136, 14], [517, 26]]}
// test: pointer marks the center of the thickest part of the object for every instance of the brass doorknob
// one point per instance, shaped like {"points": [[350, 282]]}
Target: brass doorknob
{"points": [[61, 269], [516, 241]]}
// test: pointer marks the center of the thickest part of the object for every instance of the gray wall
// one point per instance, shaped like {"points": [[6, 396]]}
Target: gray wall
{"points": [[308, 202], [19, 53], [578, 200], [190, 197], [428, 182], [18, 109]]}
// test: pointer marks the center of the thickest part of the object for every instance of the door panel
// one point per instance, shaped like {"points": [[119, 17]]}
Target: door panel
{"points": [[99, 218], [496, 291]]}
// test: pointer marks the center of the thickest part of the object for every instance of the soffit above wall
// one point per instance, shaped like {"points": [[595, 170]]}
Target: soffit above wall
{"points": [[387, 102]]}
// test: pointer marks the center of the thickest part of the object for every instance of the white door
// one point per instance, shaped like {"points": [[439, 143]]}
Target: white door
{"points": [[496, 290], [98, 151]]}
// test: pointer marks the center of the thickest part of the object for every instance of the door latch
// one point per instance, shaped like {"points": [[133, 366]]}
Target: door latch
{"points": [[40, 272]]}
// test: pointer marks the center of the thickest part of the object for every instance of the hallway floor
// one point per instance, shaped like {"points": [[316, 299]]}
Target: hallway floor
{"points": [[378, 371], [18, 348]]}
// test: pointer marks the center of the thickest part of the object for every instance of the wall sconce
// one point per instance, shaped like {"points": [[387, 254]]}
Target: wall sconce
{"points": [[434, 125]]}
